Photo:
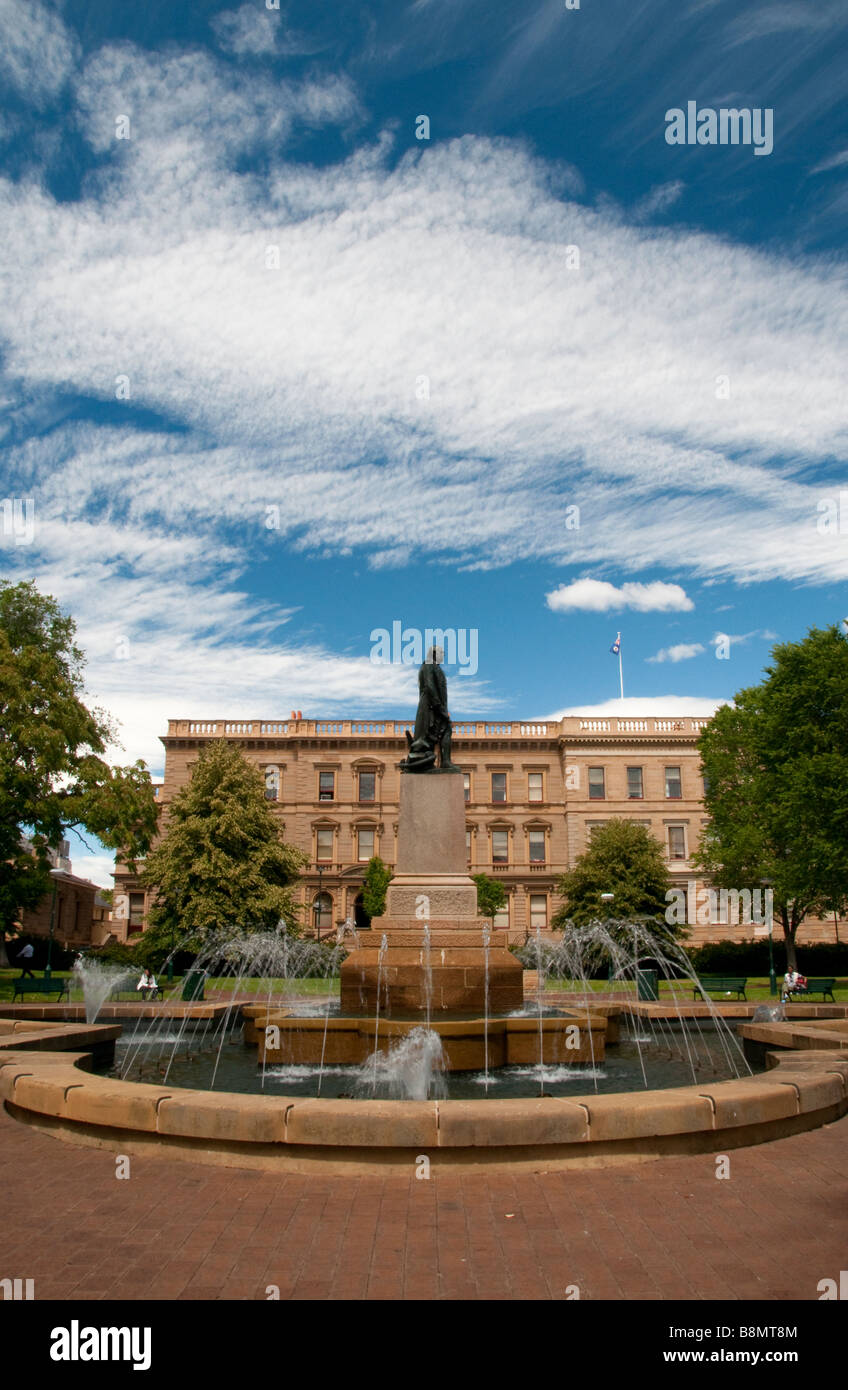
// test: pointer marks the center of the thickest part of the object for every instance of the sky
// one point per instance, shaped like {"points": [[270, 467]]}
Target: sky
{"points": [[324, 318]]}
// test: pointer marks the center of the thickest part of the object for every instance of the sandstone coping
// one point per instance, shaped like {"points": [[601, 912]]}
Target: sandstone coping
{"points": [[54, 1089]]}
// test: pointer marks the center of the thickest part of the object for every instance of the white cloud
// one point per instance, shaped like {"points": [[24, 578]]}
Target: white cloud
{"points": [[835, 161], [645, 707], [683, 651], [37, 53], [599, 596], [248, 29]]}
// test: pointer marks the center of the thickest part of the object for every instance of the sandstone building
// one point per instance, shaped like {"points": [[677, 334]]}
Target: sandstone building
{"points": [[534, 794]]}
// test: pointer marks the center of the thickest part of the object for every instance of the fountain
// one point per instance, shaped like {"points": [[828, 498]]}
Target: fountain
{"points": [[97, 981]]}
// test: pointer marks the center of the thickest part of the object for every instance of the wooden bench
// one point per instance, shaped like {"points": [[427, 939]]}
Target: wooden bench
{"points": [[722, 984], [822, 986], [48, 984]]}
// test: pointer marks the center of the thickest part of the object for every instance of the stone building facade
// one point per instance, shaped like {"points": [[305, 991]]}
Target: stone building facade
{"points": [[534, 792]]}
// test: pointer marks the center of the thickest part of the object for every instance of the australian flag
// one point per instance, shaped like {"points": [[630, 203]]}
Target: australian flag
{"points": [[616, 646]]}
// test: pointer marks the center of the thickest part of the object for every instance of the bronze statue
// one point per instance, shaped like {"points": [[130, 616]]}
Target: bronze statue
{"points": [[432, 721]]}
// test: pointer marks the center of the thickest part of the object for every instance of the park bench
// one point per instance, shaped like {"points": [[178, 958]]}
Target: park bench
{"points": [[48, 984], [822, 986], [722, 984], [133, 993]]}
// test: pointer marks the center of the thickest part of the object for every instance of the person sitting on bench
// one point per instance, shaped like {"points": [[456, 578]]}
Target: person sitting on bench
{"points": [[793, 983], [25, 957], [147, 984]]}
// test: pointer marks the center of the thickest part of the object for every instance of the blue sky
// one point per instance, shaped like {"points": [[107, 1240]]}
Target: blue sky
{"points": [[276, 373]]}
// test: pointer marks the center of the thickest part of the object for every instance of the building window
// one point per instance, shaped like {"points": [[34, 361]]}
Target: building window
{"points": [[536, 839], [500, 846], [324, 844], [596, 784], [326, 786], [634, 784], [677, 842], [468, 845], [673, 788], [538, 911], [364, 845], [499, 786], [322, 912], [136, 910], [466, 784], [272, 784], [535, 786], [367, 786], [500, 921]]}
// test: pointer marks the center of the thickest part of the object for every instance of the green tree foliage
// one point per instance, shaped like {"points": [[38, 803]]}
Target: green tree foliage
{"points": [[221, 862], [52, 774], [776, 783], [378, 876], [491, 896], [624, 859]]}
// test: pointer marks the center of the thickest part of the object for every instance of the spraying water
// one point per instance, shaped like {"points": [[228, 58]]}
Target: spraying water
{"points": [[97, 981], [411, 1069]]}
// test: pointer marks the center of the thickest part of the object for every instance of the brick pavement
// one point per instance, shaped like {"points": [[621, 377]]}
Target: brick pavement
{"points": [[667, 1229]]}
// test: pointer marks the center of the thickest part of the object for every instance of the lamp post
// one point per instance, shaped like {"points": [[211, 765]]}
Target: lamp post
{"points": [[54, 874], [320, 868], [767, 883]]}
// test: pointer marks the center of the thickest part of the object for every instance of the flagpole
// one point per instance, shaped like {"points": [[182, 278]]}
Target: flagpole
{"points": [[620, 672]]}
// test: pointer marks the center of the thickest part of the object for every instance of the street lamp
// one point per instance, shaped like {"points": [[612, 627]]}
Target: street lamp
{"points": [[767, 883], [320, 868], [55, 875]]}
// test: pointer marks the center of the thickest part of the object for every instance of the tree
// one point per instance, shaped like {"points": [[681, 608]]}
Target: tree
{"points": [[52, 774], [378, 876], [776, 783], [491, 896], [624, 859], [222, 861]]}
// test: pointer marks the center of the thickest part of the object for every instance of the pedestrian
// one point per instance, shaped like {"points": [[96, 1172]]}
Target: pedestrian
{"points": [[25, 957]]}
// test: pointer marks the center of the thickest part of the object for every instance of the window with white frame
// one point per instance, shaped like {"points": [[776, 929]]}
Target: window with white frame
{"points": [[677, 842], [536, 845], [324, 842], [673, 785], [535, 786], [538, 911], [326, 786], [466, 785], [500, 846], [634, 784], [499, 786], [364, 844]]}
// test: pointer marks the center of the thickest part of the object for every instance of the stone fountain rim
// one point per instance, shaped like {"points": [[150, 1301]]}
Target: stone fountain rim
{"points": [[55, 1089]]}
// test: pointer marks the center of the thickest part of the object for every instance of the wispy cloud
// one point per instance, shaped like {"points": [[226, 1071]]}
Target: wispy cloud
{"points": [[599, 596], [683, 651]]}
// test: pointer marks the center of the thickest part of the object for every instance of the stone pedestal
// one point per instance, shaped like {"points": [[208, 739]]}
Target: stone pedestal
{"points": [[434, 957]]}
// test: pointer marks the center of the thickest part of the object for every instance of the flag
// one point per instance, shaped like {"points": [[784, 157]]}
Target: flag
{"points": [[616, 646]]}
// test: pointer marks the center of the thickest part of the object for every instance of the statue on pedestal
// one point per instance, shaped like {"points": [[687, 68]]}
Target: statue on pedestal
{"points": [[432, 722]]}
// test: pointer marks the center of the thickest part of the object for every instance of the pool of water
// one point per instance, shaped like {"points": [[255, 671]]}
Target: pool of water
{"points": [[201, 1060]]}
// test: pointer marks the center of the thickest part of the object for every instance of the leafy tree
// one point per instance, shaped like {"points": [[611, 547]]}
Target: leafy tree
{"points": [[378, 876], [491, 896], [776, 783], [52, 774], [221, 861], [624, 859]]}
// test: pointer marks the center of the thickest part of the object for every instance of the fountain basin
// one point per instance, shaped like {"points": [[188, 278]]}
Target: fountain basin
{"points": [[468, 1044], [52, 1090]]}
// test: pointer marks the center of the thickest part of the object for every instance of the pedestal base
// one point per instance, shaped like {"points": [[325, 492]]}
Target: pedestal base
{"points": [[451, 976]]}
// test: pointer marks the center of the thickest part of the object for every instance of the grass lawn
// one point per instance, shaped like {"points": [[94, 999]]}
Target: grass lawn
{"points": [[222, 984], [757, 989]]}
